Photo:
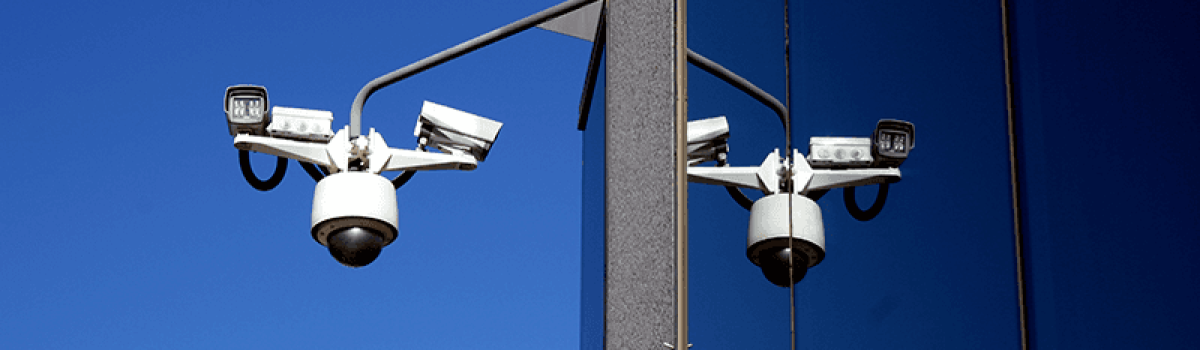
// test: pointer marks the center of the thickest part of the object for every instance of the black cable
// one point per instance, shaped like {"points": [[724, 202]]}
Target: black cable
{"points": [[403, 178], [316, 173], [870, 213], [248, 172], [815, 195], [739, 197], [1014, 169], [734, 192], [787, 74]]}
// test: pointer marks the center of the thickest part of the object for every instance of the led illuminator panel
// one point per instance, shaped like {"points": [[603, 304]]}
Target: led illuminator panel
{"points": [[839, 152], [301, 124]]}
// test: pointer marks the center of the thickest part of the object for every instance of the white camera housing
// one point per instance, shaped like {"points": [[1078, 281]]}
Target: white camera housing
{"points": [[354, 199], [456, 132], [707, 140], [768, 235]]}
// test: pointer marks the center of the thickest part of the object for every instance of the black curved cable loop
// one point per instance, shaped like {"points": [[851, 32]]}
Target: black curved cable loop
{"points": [[739, 197], [736, 193], [870, 213], [316, 173], [248, 172], [403, 178]]}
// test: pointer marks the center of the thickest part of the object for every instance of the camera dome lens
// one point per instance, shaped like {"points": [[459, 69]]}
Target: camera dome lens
{"points": [[355, 246], [775, 267]]}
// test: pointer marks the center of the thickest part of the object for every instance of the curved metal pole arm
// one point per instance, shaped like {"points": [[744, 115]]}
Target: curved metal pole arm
{"points": [[708, 66], [452, 53], [742, 84], [750, 89]]}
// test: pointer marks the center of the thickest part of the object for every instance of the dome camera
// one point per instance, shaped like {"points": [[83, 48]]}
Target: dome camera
{"points": [[354, 215], [787, 234], [767, 244]]}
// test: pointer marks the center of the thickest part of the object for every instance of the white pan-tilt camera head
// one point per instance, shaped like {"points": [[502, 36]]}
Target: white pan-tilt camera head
{"points": [[354, 215], [767, 242], [456, 132]]}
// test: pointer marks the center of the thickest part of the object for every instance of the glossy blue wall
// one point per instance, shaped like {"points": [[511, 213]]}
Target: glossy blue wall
{"points": [[1106, 105], [936, 268], [591, 299]]}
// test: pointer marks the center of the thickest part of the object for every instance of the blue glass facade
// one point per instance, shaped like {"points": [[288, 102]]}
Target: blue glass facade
{"points": [[936, 268], [591, 299], [1106, 99]]}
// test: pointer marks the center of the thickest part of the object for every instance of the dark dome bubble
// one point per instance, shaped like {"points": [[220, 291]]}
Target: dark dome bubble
{"points": [[775, 267], [355, 246]]}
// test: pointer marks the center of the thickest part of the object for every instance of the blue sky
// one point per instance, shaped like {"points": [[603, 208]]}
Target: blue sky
{"points": [[129, 226]]}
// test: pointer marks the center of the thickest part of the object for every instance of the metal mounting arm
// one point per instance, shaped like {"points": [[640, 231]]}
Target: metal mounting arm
{"points": [[824, 179], [806, 179], [370, 153], [309, 152], [765, 177], [803, 179], [403, 159]]}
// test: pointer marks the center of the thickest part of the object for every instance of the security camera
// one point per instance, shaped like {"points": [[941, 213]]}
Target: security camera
{"points": [[354, 211], [707, 140], [455, 132], [767, 244], [354, 215], [777, 240], [887, 147], [891, 142], [246, 110], [787, 235]]}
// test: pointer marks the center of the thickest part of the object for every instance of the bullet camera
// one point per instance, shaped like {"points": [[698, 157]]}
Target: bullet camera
{"points": [[455, 132], [891, 142], [707, 140], [354, 215], [246, 109], [767, 244]]}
